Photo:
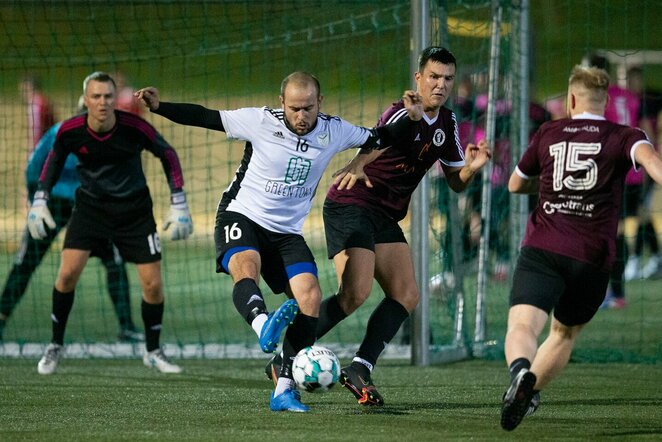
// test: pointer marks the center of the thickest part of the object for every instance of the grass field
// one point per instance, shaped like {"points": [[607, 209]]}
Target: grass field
{"points": [[228, 400]]}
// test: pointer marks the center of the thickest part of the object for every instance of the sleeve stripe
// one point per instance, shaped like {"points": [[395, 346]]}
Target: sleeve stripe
{"points": [[521, 174], [175, 168], [44, 168], [399, 114]]}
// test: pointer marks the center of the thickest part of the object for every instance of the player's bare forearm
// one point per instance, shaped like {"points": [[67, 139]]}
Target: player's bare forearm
{"points": [[476, 157]]}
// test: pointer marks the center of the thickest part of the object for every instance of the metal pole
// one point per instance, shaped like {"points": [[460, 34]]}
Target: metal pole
{"points": [[420, 353], [519, 121], [524, 113], [483, 253]]}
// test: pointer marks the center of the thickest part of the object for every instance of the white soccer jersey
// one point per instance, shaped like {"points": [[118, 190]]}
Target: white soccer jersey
{"points": [[276, 184]]}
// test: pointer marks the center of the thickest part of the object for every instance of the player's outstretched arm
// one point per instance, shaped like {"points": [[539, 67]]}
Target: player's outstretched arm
{"points": [[182, 113]]}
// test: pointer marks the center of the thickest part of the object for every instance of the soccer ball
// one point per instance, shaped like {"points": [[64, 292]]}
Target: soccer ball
{"points": [[316, 369]]}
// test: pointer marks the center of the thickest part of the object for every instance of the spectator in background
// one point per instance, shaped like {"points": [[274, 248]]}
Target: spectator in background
{"points": [[126, 100], [555, 106], [622, 108], [40, 112], [649, 112], [31, 251], [470, 130]]}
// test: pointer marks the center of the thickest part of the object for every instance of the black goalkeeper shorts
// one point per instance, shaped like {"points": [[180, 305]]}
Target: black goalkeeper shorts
{"points": [[128, 224]]}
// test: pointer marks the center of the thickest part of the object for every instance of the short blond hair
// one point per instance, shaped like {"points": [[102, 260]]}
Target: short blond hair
{"points": [[590, 83]]}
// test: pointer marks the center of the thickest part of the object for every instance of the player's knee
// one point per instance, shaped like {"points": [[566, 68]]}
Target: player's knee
{"points": [[66, 281], [564, 332], [153, 291]]}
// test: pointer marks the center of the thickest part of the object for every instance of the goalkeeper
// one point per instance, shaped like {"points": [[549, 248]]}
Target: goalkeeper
{"points": [[113, 203], [32, 251]]}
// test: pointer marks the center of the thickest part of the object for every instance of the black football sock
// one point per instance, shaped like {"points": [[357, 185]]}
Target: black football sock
{"points": [[616, 276], [383, 324], [300, 334], [62, 303], [330, 315], [152, 318], [248, 299]]}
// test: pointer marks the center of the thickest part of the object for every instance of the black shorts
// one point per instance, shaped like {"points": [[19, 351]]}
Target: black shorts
{"points": [[283, 255], [128, 224], [348, 225], [549, 281]]}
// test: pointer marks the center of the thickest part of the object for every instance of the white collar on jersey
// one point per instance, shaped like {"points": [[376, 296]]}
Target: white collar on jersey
{"points": [[429, 120], [588, 116]]}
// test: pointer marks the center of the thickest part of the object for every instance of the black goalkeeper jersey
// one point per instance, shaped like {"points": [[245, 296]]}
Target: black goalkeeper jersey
{"points": [[110, 165]]}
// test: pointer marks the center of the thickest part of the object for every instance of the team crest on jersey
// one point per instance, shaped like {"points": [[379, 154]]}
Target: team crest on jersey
{"points": [[297, 170], [439, 137], [323, 139]]}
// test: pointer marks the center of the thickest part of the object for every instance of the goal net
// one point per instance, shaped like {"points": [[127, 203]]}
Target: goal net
{"points": [[232, 54]]}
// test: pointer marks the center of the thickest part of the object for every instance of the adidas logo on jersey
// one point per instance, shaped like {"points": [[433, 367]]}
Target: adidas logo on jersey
{"points": [[279, 134]]}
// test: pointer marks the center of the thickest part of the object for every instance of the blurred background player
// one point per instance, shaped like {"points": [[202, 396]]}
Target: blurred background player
{"points": [[577, 166], [31, 251], [622, 108], [126, 100], [113, 203], [649, 113], [40, 113]]}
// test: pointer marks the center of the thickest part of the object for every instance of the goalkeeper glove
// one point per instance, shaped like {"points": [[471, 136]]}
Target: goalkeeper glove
{"points": [[38, 216], [179, 217]]}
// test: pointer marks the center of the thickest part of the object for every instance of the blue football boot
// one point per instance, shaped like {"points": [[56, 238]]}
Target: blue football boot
{"points": [[278, 320], [289, 400]]}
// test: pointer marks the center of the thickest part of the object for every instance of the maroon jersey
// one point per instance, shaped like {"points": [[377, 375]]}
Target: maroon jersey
{"points": [[581, 164], [110, 166], [398, 170]]}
